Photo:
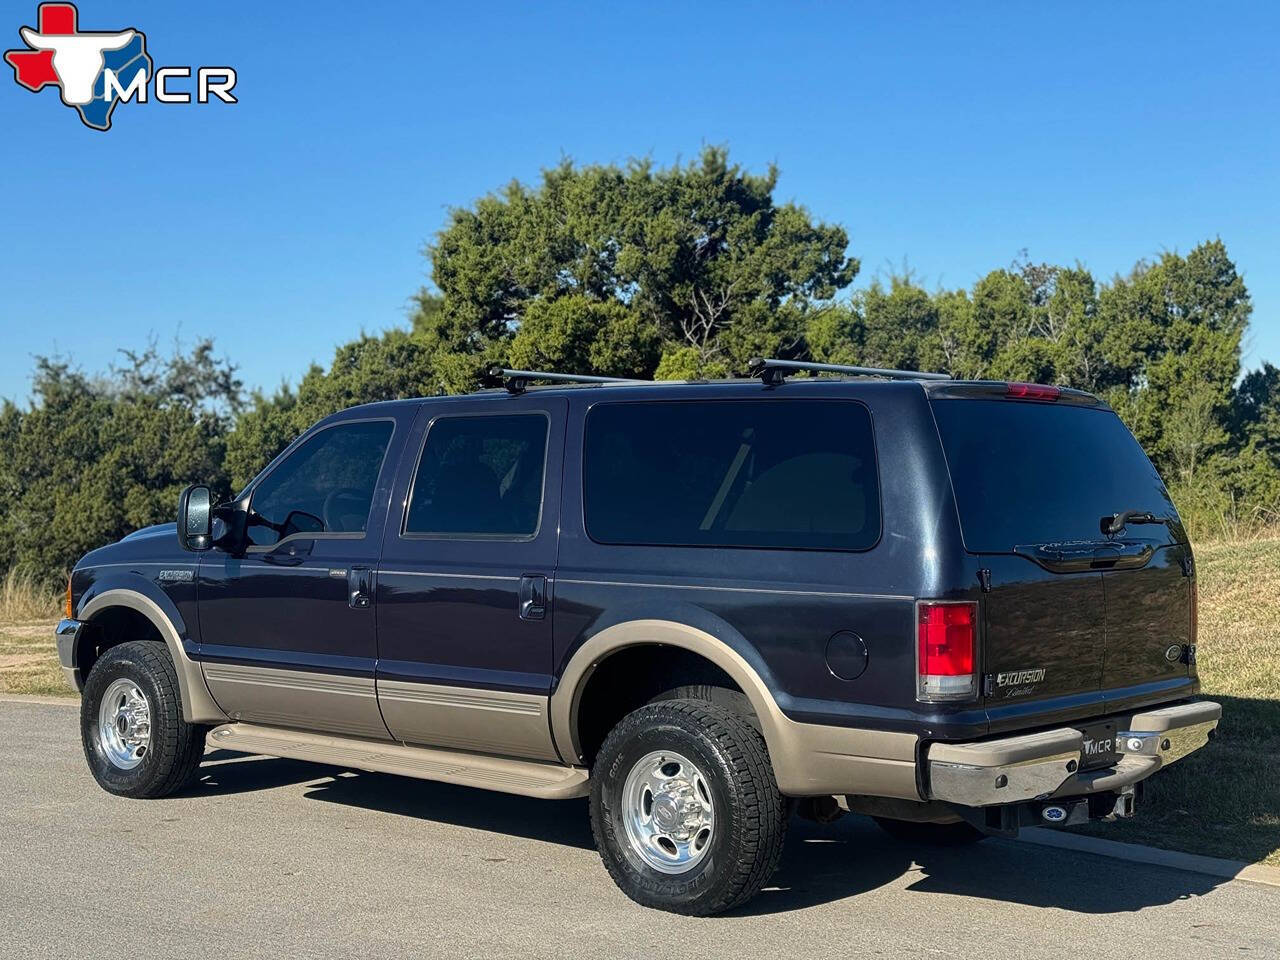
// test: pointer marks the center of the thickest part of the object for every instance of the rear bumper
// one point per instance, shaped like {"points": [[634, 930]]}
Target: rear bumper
{"points": [[1048, 764]]}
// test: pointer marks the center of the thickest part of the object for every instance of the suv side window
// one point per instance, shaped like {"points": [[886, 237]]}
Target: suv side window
{"points": [[789, 474], [325, 486], [480, 476]]}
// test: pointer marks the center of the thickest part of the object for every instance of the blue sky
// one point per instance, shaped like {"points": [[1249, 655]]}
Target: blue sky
{"points": [[948, 137]]}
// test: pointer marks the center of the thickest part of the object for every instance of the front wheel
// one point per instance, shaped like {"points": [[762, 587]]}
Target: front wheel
{"points": [[685, 809], [131, 725]]}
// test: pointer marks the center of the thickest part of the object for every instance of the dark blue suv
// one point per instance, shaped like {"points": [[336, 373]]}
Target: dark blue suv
{"points": [[959, 607]]}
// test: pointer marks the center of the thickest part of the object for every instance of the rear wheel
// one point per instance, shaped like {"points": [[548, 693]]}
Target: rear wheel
{"points": [[685, 810], [956, 834], [131, 725]]}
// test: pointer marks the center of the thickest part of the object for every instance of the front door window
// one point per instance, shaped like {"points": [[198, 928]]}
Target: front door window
{"points": [[325, 486]]}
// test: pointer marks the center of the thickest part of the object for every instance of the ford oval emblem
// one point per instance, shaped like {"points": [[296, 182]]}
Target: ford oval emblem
{"points": [[1174, 653], [1054, 814]]}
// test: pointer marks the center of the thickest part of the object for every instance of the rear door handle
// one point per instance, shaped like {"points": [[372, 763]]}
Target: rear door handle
{"points": [[359, 588], [533, 597]]}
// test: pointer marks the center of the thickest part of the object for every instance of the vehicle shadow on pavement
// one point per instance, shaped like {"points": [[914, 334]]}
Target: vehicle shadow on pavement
{"points": [[224, 772], [822, 864], [555, 821]]}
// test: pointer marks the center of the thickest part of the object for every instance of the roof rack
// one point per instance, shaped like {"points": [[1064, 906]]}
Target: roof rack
{"points": [[773, 372], [517, 381]]}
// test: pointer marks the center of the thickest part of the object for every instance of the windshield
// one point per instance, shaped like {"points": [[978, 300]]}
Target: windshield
{"points": [[1028, 473]]}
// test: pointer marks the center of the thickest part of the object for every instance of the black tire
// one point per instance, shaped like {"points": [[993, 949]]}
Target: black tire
{"points": [[733, 701], [172, 756], [750, 814], [956, 834]]}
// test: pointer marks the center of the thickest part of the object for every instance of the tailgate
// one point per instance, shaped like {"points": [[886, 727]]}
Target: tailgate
{"points": [[1148, 620]]}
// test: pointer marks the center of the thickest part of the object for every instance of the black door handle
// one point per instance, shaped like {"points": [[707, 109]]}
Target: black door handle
{"points": [[533, 597], [359, 588]]}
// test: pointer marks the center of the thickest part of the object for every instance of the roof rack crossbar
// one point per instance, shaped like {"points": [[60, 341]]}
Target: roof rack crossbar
{"points": [[517, 381], [773, 372]]}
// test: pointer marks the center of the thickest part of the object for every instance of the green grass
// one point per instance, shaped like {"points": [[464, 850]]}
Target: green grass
{"points": [[1223, 801]]}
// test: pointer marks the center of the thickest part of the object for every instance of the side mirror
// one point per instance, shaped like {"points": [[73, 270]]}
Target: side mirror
{"points": [[195, 518]]}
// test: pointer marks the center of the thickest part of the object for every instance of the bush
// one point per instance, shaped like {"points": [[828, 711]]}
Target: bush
{"points": [[93, 459]]}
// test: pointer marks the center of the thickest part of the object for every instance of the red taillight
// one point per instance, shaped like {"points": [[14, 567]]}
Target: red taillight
{"points": [[946, 633], [1032, 391]]}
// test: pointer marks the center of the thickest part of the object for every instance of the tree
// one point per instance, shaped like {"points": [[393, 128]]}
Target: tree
{"points": [[1255, 410], [92, 459], [1182, 321], [578, 333], [397, 364], [697, 260]]}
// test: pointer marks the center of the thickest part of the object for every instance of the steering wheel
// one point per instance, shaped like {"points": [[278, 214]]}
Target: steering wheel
{"points": [[332, 510]]}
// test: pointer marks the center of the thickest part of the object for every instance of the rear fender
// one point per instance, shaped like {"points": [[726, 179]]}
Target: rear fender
{"points": [[808, 759]]}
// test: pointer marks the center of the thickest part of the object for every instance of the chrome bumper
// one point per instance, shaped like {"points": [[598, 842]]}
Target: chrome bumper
{"points": [[1047, 764]]}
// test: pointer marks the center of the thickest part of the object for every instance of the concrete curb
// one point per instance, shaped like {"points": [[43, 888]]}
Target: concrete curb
{"points": [[1137, 853], [71, 700]]}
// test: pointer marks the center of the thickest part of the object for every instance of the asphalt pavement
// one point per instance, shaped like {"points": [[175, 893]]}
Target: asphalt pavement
{"points": [[277, 858]]}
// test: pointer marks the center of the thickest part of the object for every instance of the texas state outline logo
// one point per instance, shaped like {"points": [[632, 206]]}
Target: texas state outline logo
{"points": [[95, 70]]}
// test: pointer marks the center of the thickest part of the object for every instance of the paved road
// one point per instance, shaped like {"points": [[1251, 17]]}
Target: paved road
{"points": [[275, 858]]}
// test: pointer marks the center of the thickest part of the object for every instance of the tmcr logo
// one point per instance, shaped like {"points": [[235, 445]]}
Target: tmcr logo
{"points": [[96, 70]]}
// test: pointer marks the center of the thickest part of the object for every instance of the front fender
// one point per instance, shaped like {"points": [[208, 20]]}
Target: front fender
{"points": [[133, 591]]}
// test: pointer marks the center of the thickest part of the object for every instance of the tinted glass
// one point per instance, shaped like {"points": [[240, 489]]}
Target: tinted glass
{"points": [[325, 486], [480, 476], [746, 473], [1028, 473]]}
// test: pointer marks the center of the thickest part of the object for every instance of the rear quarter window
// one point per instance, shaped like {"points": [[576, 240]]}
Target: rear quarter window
{"points": [[789, 474]]}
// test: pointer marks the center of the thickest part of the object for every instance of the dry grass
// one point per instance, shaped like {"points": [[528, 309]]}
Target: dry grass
{"points": [[1223, 801], [28, 657], [26, 599], [29, 660]]}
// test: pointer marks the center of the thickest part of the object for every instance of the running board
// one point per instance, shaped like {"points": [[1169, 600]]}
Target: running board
{"points": [[528, 778]]}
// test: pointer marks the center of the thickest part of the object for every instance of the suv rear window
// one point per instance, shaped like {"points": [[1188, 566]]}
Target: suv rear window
{"points": [[1028, 473], [732, 473]]}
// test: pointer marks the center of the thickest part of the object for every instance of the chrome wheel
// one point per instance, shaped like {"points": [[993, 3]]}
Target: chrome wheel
{"points": [[124, 724], [667, 812]]}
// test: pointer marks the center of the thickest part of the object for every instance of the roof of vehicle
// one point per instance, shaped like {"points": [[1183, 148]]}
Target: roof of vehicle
{"points": [[935, 389]]}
